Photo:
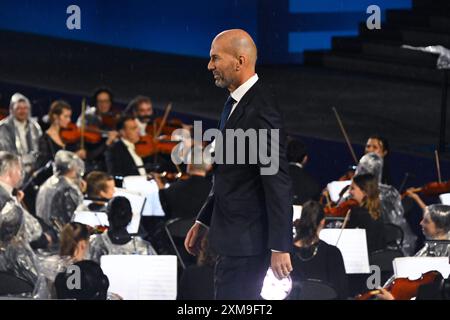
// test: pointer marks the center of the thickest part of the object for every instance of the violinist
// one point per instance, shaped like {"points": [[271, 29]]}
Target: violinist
{"points": [[102, 118], [435, 226], [142, 109], [121, 157], [367, 214], [20, 133], [101, 111], [305, 186], [391, 206], [51, 142]]}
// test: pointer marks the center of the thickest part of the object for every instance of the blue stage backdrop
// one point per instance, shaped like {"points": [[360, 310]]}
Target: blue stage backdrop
{"points": [[283, 29]]}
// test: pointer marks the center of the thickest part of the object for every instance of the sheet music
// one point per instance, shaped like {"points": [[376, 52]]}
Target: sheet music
{"points": [[414, 267], [334, 189], [146, 277], [91, 218], [150, 190], [137, 202], [445, 198], [353, 246]]}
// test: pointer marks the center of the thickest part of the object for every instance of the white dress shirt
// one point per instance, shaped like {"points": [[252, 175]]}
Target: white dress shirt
{"points": [[142, 127], [137, 160], [239, 93], [21, 132]]}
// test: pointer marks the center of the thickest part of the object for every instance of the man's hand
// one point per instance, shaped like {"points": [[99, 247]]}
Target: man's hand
{"points": [[20, 195], [281, 264], [194, 238]]}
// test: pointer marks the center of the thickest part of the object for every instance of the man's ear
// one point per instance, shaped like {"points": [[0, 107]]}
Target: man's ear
{"points": [[241, 61]]}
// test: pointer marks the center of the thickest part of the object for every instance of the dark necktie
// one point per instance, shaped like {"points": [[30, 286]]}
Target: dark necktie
{"points": [[226, 112]]}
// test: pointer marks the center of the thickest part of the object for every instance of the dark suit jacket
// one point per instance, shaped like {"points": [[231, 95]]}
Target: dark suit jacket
{"points": [[119, 161], [250, 213], [304, 186], [184, 198]]}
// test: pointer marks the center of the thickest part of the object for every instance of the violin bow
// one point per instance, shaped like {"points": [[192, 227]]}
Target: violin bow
{"points": [[83, 122], [344, 224], [438, 166], [164, 119], [344, 132]]}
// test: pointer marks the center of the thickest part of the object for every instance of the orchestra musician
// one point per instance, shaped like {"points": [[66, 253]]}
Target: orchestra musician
{"points": [[20, 133]]}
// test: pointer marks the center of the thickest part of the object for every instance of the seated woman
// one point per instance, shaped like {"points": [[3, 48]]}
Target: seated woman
{"points": [[51, 142], [62, 193], [74, 247], [435, 226], [117, 240], [313, 258], [392, 210], [364, 189]]}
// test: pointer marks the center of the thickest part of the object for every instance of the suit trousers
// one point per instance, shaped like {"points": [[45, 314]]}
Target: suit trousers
{"points": [[240, 278]]}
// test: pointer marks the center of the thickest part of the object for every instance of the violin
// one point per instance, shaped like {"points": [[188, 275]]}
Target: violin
{"points": [[109, 119], [431, 189], [148, 145], [3, 113], [341, 209], [72, 134], [403, 288]]}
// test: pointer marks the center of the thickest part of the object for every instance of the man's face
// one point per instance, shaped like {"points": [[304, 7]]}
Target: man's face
{"points": [[222, 64], [15, 175], [145, 112], [104, 102], [108, 193], [21, 111], [130, 131]]}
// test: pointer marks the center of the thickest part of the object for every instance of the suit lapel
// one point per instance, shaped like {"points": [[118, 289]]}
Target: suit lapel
{"points": [[240, 108]]}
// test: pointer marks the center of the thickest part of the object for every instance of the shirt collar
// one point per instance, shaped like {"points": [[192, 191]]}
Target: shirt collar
{"points": [[127, 143], [19, 124], [7, 187], [243, 88]]}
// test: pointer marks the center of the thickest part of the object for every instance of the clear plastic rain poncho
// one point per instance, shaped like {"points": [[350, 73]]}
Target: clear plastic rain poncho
{"points": [[48, 268], [59, 196], [391, 203], [16, 255], [440, 215], [101, 245], [11, 140], [443, 61]]}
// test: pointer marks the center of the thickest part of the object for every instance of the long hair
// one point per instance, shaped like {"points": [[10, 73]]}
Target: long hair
{"points": [[369, 184], [306, 227], [70, 236]]}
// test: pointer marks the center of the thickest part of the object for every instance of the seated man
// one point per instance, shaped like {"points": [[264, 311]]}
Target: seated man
{"points": [[100, 189], [10, 177], [62, 193], [184, 198], [20, 133], [121, 157], [305, 187]]}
